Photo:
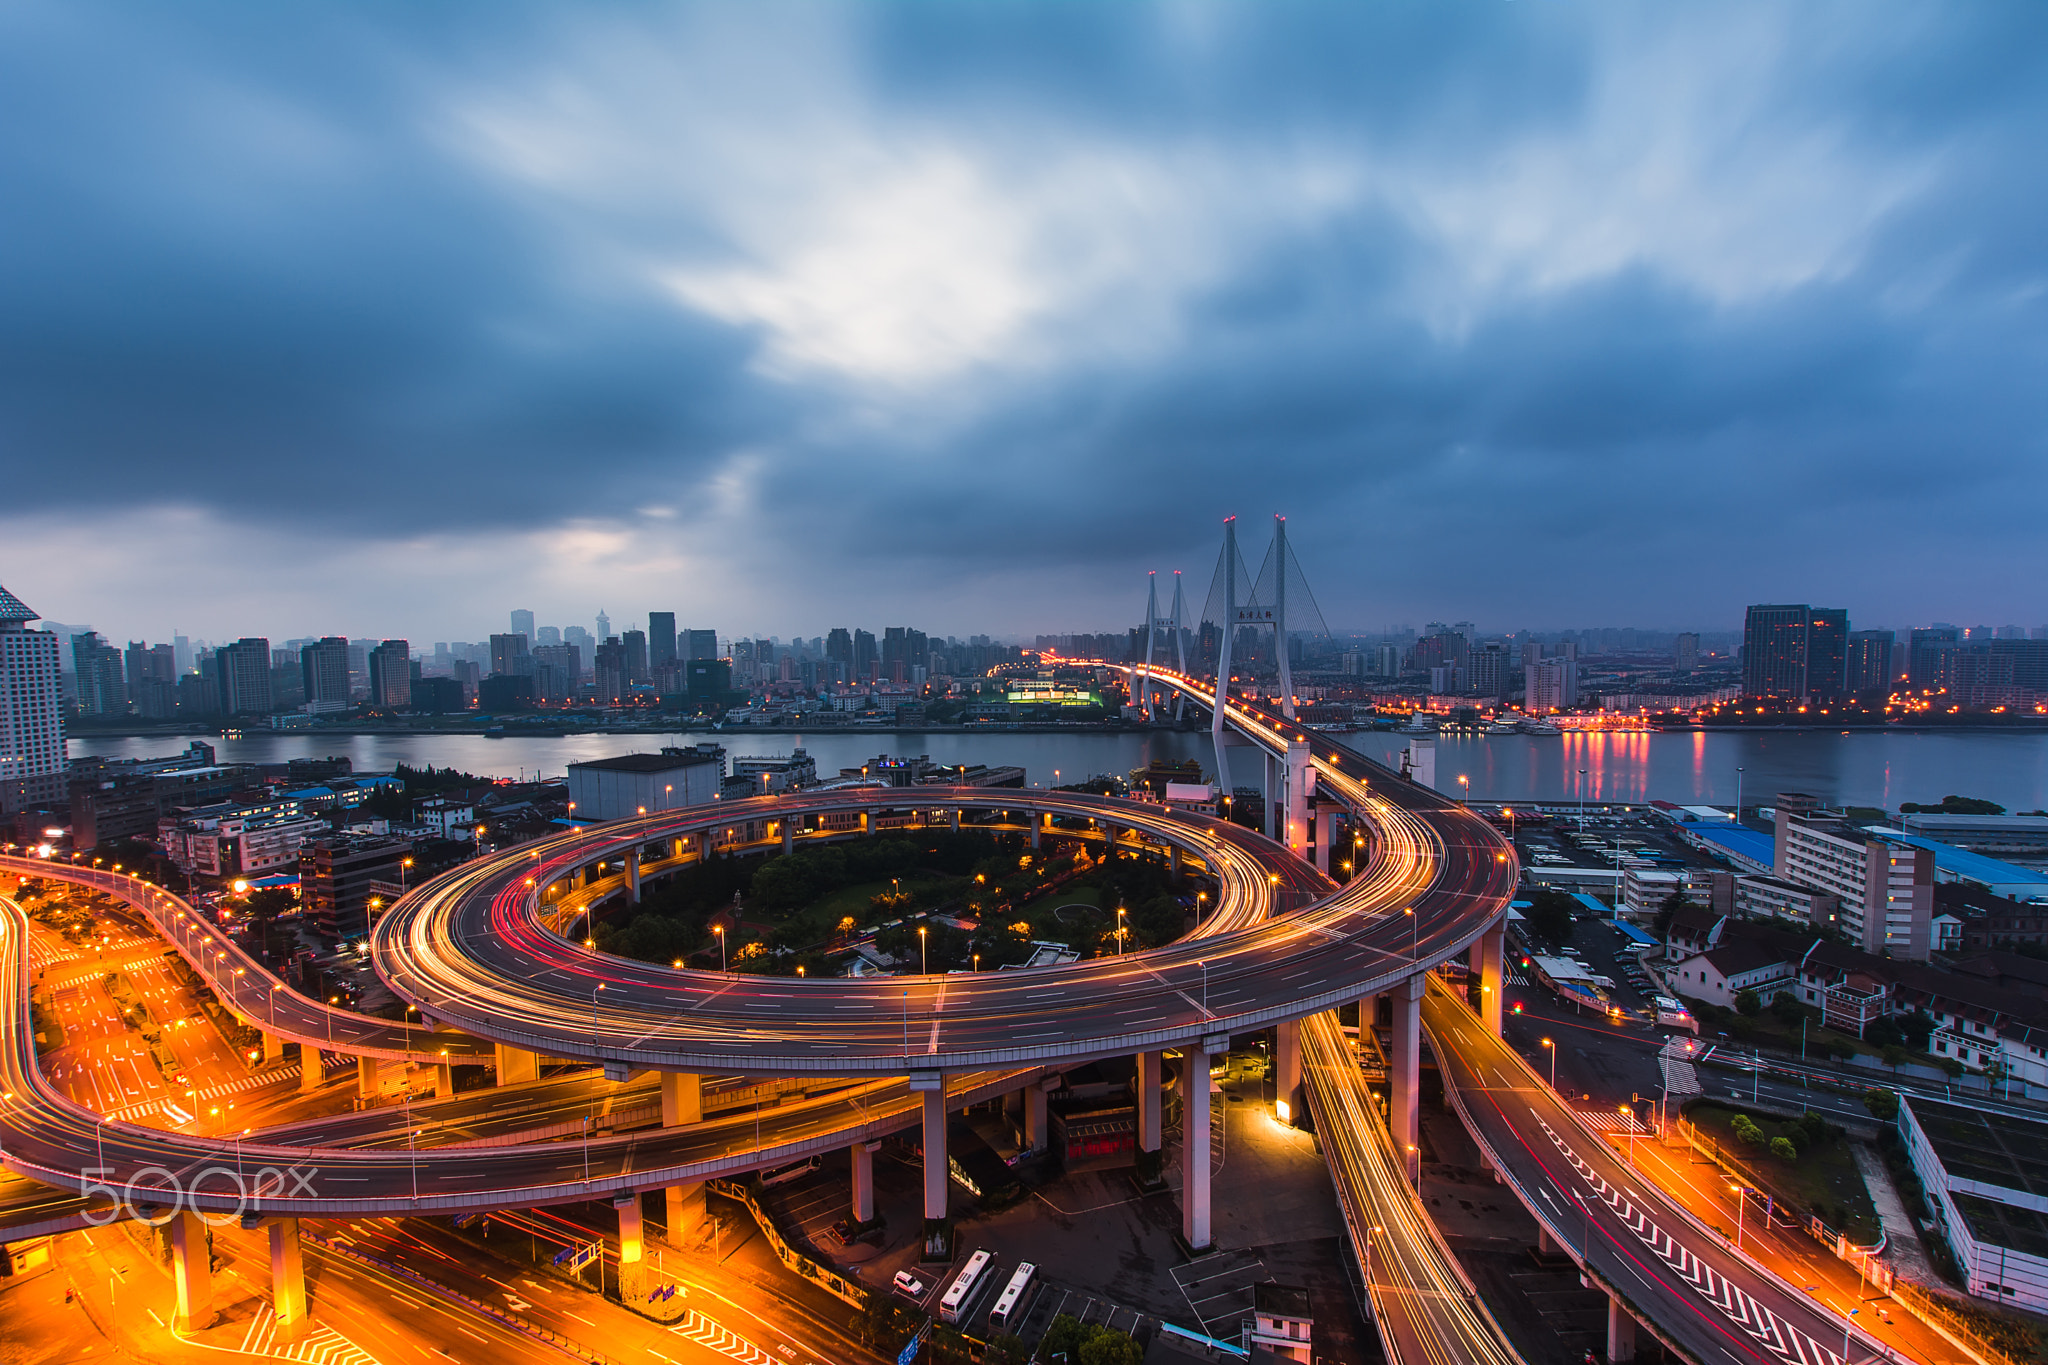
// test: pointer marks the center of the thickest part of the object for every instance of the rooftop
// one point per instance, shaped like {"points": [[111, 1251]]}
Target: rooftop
{"points": [[1986, 1148], [1286, 1300], [1752, 844], [1972, 867], [644, 763], [12, 608]]}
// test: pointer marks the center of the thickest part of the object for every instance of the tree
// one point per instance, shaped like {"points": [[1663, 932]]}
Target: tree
{"points": [[1787, 1010], [1748, 1004], [1882, 1104], [1894, 1055], [1550, 916], [1668, 911], [1062, 1341], [1955, 805], [1107, 1346], [1782, 1148]]}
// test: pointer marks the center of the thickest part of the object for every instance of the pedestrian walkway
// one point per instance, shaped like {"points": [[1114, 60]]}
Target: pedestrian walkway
{"points": [[1602, 1120], [715, 1337], [322, 1345], [1681, 1077], [1902, 1239]]}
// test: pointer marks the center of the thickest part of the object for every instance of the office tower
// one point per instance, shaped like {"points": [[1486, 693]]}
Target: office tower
{"points": [[839, 647], [1870, 661], [509, 656], [323, 669], [611, 673], [522, 623], [634, 642], [98, 666], [1827, 653], [699, 644], [548, 635], [181, 651], [1441, 645], [864, 657], [1685, 655], [1930, 656], [391, 675], [604, 627], [152, 680], [557, 672], [1487, 671], [661, 639], [242, 672], [1774, 651], [31, 710]]}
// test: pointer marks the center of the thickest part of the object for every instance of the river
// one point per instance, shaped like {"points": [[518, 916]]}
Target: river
{"points": [[1872, 769]]}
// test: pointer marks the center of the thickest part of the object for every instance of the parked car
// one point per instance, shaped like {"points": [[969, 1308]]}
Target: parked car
{"points": [[909, 1285]]}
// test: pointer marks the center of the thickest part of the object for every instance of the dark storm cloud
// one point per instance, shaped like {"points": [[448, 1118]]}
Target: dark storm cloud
{"points": [[1526, 312]]}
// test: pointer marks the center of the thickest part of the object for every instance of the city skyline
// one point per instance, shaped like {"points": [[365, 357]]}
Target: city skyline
{"points": [[1557, 315]]}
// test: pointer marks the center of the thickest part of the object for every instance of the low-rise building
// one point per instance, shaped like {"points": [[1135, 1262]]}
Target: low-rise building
{"points": [[1885, 888], [1987, 1195], [339, 876], [1283, 1322], [231, 839], [624, 787]]}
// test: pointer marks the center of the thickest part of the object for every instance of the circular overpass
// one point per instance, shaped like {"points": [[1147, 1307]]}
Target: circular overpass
{"points": [[469, 949]]}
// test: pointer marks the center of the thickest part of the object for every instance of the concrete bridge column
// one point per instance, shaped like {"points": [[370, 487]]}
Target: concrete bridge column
{"points": [[867, 822], [1489, 949], [366, 1077], [310, 1070], [517, 1064], [287, 1279], [1038, 829], [633, 875], [703, 845], [1194, 1145], [273, 1047], [933, 1087], [1272, 789], [1035, 1136], [1299, 777], [1404, 1062], [444, 1080], [1368, 1014], [1148, 1102], [864, 1181], [682, 1103], [788, 829], [953, 818], [1621, 1332], [1287, 1070], [632, 1249], [191, 1271], [1173, 861]]}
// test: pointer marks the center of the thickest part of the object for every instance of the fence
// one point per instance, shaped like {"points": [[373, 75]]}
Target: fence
{"points": [[831, 1281], [1943, 1316]]}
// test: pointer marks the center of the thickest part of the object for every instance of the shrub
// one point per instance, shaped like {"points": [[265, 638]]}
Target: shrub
{"points": [[1782, 1148], [1882, 1104]]}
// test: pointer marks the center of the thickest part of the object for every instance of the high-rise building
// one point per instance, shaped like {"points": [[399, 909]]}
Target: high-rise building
{"points": [[1685, 655], [1487, 671], [522, 623], [864, 656], [1870, 661], [1930, 656], [580, 640], [152, 680], [323, 668], [101, 691], [391, 675], [661, 639], [634, 642], [242, 671], [839, 647], [1774, 652], [1827, 653], [699, 644], [31, 710], [548, 635], [1552, 685], [604, 627], [611, 672], [508, 655], [557, 672], [1885, 889]]}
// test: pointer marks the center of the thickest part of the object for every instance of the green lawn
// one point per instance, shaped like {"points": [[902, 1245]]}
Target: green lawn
{"points": [[1823, 1179], [1081, 894]]}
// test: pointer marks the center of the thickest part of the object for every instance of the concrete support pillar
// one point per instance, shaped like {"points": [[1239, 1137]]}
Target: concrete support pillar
{"points": [[1173, 861], [685, 1211], [1489, 950], [1546, 1245], [1148, 1102], [287, 1279], [310, 1070], [864, 1181], [1194, 1146], [632, 1238], [1621, 1332], [191, 1271], [1368, 1012], [1271, 827], [273, 1047], [444, 1080], [934, 1089], [788, 830], [703, 844], [633, 876], [1299, 782], [1404, 1063], [1035, 1135], [366, 1077], [953, 818], [517, 1064], [1326, 828], [1038, 827], [682, 1098], [867, 822], [1287, 1071]]}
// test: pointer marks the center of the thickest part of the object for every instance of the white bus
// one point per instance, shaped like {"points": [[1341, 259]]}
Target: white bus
{"points": [[1671, 1014], [954, 1305], [1010, 1303]]}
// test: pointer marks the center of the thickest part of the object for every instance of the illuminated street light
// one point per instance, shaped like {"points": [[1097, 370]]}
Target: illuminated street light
{"points": [[719, 929], [1553, 1063], [924, 965]]}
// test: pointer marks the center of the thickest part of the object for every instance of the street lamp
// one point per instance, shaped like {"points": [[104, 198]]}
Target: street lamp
{"points": [[1738, 794], [924, 965], [1582, 800], [1739, 1191], [1847, 1322], [719, 929], [1553, 1064], [1414, 950], [1628, 1116], [1120, 931], [1466, 783], [1368, 1257]]}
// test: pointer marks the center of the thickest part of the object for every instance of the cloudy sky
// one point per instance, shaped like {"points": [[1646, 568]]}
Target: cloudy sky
{"points": [[375, 318]]}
